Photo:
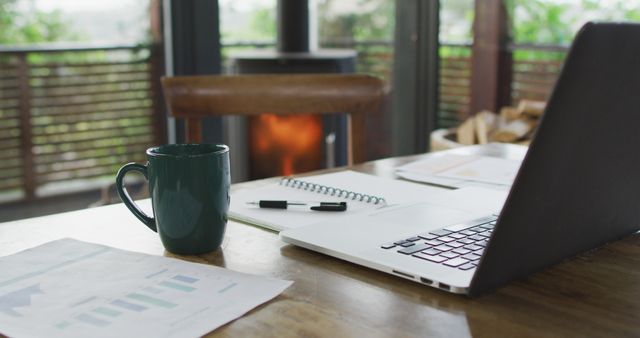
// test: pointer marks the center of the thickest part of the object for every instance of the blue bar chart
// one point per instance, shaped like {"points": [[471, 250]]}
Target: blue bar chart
{"points": [[73, 288]]}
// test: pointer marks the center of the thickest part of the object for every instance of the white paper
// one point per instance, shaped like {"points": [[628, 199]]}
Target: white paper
{"points": [[69, 288], [393, 191], [457, 171]]}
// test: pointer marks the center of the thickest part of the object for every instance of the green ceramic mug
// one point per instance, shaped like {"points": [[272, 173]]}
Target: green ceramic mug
{"points": [[189, 186]]}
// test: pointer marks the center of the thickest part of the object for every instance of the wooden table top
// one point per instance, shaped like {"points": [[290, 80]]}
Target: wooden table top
{"points": [[595, 294]]}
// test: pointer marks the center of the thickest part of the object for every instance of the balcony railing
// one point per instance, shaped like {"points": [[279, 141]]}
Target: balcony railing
{"points": [[70, 116], [535, 70], [455, 84]]}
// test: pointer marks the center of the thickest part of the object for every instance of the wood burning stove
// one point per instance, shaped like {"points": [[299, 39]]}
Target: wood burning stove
{"points": [[284, 145]]}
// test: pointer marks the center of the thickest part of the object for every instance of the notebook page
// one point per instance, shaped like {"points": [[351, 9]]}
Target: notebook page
{"points": [[393, 191]]}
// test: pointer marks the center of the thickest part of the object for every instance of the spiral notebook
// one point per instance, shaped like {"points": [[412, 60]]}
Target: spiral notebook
{"points": [[362, 192]]}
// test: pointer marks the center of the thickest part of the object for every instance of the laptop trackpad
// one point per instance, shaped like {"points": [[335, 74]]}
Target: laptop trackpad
{"points": [[421, 217], [366, 231]]}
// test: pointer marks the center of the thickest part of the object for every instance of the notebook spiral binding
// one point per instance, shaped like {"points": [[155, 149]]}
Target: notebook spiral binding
{"points": [[332, 191]]}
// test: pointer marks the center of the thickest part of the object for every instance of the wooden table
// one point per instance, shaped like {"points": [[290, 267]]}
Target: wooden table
{"points": [[595, 294]]}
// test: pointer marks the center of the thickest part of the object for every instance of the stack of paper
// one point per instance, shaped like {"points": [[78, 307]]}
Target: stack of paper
{"points": [[69, 288], [457, 171]]}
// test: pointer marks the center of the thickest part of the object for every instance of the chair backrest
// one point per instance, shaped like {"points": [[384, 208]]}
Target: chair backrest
{"points": [[195, 97]]}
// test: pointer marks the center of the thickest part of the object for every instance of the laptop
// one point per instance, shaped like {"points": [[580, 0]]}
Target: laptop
{"points": [[577, 189]]}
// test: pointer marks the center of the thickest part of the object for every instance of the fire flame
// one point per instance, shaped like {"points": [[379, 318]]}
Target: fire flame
{"points": [[290, 143]]}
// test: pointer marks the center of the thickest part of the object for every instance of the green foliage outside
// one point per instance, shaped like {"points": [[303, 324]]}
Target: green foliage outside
{"points": [[370, 20], [556, 22], [34, 26], [364, 25], [263, 23], [340, 25], [260, 28], [540, 22], [345, 23]]}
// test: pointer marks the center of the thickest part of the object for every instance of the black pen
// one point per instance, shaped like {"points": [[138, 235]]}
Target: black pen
{"points": [[322, 206]]}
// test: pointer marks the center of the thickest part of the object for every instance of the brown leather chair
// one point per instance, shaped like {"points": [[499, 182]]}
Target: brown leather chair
{"points": [[195, 97]]}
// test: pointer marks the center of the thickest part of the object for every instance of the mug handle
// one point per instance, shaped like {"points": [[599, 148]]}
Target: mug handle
{"points": [[126, 198]]}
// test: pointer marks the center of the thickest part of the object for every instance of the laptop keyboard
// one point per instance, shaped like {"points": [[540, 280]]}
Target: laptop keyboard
{"points": [[458, 246]]}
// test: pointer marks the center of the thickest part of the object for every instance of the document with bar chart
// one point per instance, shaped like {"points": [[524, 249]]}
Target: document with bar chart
{"points": [[69, 288]]}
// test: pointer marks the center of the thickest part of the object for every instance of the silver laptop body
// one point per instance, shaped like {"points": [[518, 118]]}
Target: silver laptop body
{"points": [[578, 187]]}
